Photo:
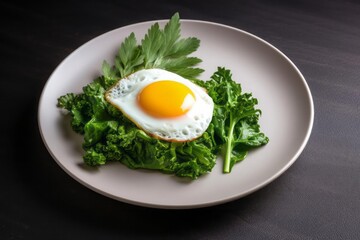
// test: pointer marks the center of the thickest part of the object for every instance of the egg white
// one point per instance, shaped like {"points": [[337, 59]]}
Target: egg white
{"points": [[189, 126]]}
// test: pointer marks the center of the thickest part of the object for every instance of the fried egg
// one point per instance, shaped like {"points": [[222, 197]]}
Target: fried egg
{"points": [[163, 104]]}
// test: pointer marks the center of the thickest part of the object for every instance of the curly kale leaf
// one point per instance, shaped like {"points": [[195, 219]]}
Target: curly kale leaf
{"points": [[235, 118], [134, 148]]}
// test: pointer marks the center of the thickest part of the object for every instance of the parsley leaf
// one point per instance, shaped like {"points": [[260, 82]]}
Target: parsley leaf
{"points": [[160, 48], [130, 57], [164, 49], [128, 60]]}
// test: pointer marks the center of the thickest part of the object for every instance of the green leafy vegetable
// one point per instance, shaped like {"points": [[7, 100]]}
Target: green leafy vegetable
{"points": [[235, 118], [160, 48], [110, 136]]}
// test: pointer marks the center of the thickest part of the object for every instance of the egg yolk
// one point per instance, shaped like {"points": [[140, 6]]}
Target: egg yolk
{"points": [[166, 98]]}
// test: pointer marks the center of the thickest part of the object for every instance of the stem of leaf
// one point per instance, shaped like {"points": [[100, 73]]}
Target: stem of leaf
{"points": [[227, 161]]}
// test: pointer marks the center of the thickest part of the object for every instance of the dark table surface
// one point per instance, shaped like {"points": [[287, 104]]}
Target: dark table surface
{"points": [[317, 198]]}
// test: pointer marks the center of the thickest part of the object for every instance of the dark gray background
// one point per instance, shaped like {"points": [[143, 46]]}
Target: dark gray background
{"points": [[317, 198]]}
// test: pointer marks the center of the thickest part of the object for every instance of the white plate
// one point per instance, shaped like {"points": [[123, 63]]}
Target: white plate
{"points": [[283, 95]]}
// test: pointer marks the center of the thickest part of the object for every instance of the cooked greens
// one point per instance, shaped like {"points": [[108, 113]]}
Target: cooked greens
{"points": [[110, 136], [235, 118]]}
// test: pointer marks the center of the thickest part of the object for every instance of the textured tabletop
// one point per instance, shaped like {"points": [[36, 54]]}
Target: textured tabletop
{"points": [[318, 197]]}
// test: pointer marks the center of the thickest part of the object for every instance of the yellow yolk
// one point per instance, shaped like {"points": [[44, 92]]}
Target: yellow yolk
{"points": [[166, 98]]}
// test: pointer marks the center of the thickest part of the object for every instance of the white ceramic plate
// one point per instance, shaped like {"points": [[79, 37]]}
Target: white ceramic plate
{"points": [[283, 95]]}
